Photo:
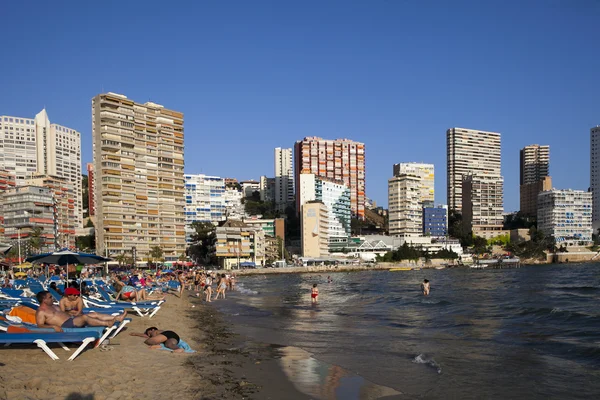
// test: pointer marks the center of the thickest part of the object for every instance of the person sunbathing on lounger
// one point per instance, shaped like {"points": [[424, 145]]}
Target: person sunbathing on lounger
{"points": [[129, 293], [50, 316], [155, 337]]}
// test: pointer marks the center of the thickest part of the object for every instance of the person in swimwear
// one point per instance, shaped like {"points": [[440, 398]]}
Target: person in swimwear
{"points": [[314, 293], [221, 286], [50, 316], [425, 288], [155, 337]]}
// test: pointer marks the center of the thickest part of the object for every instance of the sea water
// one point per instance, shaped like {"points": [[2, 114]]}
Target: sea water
{"points": [[531, 333]]}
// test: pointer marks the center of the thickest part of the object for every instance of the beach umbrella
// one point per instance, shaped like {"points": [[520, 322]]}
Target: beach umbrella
{"points": [[24, 265], [20, 274], [66, 257], [5, 248]]}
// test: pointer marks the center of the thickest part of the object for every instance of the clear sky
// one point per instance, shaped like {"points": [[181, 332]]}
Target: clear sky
{"points": [[254, 75]]}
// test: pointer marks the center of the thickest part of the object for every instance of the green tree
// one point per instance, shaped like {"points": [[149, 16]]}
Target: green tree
{"points": [[480, 245], [86, 243], [203, 239]]}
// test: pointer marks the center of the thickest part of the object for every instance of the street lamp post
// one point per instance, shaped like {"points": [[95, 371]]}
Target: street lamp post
{"points": [[19, 242]]}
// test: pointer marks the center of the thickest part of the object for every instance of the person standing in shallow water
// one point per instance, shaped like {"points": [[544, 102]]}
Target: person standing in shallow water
{"points": [[425, 288], [314, 294]]}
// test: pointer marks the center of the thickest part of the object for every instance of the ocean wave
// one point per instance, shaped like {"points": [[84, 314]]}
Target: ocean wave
{"points": [[243, 290], [423, 359], [574, 288], [555, 313]]}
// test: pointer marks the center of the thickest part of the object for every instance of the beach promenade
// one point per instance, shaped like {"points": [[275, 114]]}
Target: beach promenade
{"points": [[127, 368]]}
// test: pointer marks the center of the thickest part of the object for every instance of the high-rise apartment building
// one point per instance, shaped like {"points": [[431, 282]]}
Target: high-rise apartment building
{"points": [[139, 183], [469, 152], [28, 208], [35, 146], [204, 200], [533, 176], [482, 205], [284, 178], [425, 172], [91, 198], [405, 208], [340, 159], [566, 215], [595, 175], [63, 198], [336, 197], [534, 163]]}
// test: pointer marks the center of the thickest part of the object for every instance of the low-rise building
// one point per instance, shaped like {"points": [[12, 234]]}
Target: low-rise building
{"points": [[435, 221], [315, 229], [239, 243], [271, 227], [249, 187], [566, 215]]}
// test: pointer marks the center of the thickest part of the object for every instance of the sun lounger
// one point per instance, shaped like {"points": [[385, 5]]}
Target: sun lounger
{"points": [[42, 338]]}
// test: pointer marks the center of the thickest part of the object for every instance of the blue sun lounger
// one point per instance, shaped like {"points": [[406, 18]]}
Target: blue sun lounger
{"points": [[42, 338]]}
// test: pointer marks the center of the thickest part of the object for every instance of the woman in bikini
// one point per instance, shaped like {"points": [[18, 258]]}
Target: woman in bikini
{"points": [[221, 287], [314, 294]]}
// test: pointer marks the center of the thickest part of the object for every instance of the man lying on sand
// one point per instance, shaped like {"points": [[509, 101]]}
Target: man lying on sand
{"points": [[50, 316], [155, 337]]}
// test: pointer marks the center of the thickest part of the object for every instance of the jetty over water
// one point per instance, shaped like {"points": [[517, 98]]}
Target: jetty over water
{"points": [[514, 262]]}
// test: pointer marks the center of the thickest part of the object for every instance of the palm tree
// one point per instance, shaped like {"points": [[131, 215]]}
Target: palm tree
{"points": [[156, 253], [35, 238], [121, 259]]}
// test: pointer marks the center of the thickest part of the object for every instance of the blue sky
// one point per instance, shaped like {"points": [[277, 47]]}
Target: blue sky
{"points": [[254, 75]]}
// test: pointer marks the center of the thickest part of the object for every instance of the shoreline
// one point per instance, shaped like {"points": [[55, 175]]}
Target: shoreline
{"points": [[379, 267]]}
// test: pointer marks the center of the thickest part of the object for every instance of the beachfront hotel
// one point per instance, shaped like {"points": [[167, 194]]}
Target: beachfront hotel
{"points": [[533, 176], [33, 146], [566, 215], [341, 159], [139, 182], [482, 205], [335, 195], [284, 178], [238, 243], [472, 152], [410, 189], [595, 175]]}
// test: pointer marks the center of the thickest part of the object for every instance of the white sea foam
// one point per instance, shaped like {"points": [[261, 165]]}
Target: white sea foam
{"points": [[243, 290], [423, 359]]}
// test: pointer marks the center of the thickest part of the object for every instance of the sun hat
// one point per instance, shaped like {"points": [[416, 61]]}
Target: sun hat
{"points": [[71, 291]]}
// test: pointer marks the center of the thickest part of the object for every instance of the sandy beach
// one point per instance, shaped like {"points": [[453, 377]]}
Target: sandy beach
{"points": [[222, 368]]}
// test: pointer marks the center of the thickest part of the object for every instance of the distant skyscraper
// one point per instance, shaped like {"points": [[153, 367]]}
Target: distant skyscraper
{"points": [[411, 188], [340, 159], [533, 176], [482, 205], [139, 184], [35, 146], [469, 152], [284, 178], [595, 175]]}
